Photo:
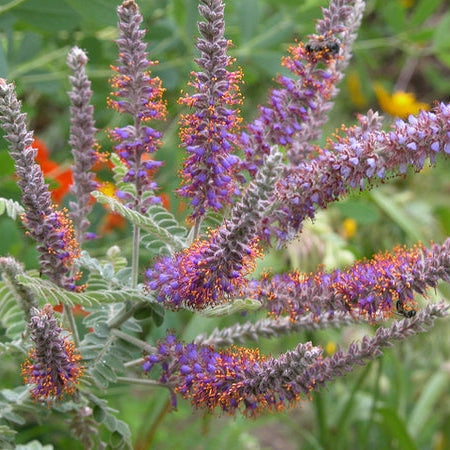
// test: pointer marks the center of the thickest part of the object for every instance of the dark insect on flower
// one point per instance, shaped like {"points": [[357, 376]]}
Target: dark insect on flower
{"points": [[331, 48], [408, 313]]}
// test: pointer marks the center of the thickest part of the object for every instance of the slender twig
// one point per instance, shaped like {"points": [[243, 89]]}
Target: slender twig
{"points": [[143, 381], [123, 315], [134, 341], [68, 314], [135, 362]]}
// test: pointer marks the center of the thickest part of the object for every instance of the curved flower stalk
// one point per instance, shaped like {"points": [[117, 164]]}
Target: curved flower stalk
{"points": [[209, 271], [83, 142], [139, 95], [369, 289], [53, 366], [209, 132], [364, 154], [296, 111], [50, 228], [240, 380], [273, 328]]}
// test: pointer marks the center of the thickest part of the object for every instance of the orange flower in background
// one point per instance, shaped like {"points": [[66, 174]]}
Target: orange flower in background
{"points": [[53, 172], [400, 103]]}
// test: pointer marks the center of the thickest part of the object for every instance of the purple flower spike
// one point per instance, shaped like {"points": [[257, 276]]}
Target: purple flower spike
{"points": [[208, 133], [297, 110], [140, 96], [54, 365], [368, 289], [82, 141], [50, 228], [363, 153]]}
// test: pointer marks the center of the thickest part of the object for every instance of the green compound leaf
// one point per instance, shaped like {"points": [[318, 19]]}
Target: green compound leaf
{"points": [[54, 295], [12, 208], [159, 222], [11, 315]]}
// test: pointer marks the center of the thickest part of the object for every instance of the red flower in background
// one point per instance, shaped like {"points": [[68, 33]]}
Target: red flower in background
{"points": [[53, 172]]}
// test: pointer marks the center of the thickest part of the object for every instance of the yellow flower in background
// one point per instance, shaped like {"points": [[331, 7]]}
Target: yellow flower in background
{"points": [[355, 90], [400, 103], [349, 227], [407, 3], [330, 348], [108, 188]]}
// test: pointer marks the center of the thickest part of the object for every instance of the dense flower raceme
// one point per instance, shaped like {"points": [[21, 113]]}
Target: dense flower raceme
{"points": [[137, 94], [297, 109], [201, 275], [82, 141], [53, 366], [241, 380], [363, 154], [209, 132], [368, 288], [51, 228]]}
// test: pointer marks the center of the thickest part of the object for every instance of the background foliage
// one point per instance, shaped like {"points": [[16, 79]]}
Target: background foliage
{"points": [[399, 401]]}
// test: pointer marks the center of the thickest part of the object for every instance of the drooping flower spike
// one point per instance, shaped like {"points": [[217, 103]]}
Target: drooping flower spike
{"points": [[209, 132], [241, 380], [373, 288], [138, 94], [363, 154], [53, 366], [49, 227]]}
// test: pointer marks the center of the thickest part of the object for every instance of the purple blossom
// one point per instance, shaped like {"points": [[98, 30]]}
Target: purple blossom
{"points": [[53, 364], [139, 95], [209, 132], [201, 275]]}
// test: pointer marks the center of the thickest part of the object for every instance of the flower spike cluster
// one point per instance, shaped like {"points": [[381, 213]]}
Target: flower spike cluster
{"points": [[82, 140], [209, 132], [371, 288], [139, 95], [50, 228], [240, 380], [53, 365]]}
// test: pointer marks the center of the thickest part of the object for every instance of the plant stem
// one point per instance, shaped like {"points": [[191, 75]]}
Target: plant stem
{"points": [[132, 340], [143, 381], [198, 222], [123, 315], [10, 5], [72, 325], [135, 362], [376, 394], [135, 257]]}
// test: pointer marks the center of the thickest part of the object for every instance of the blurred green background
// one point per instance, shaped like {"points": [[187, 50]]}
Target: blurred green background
{"points": [[401, 60]]}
